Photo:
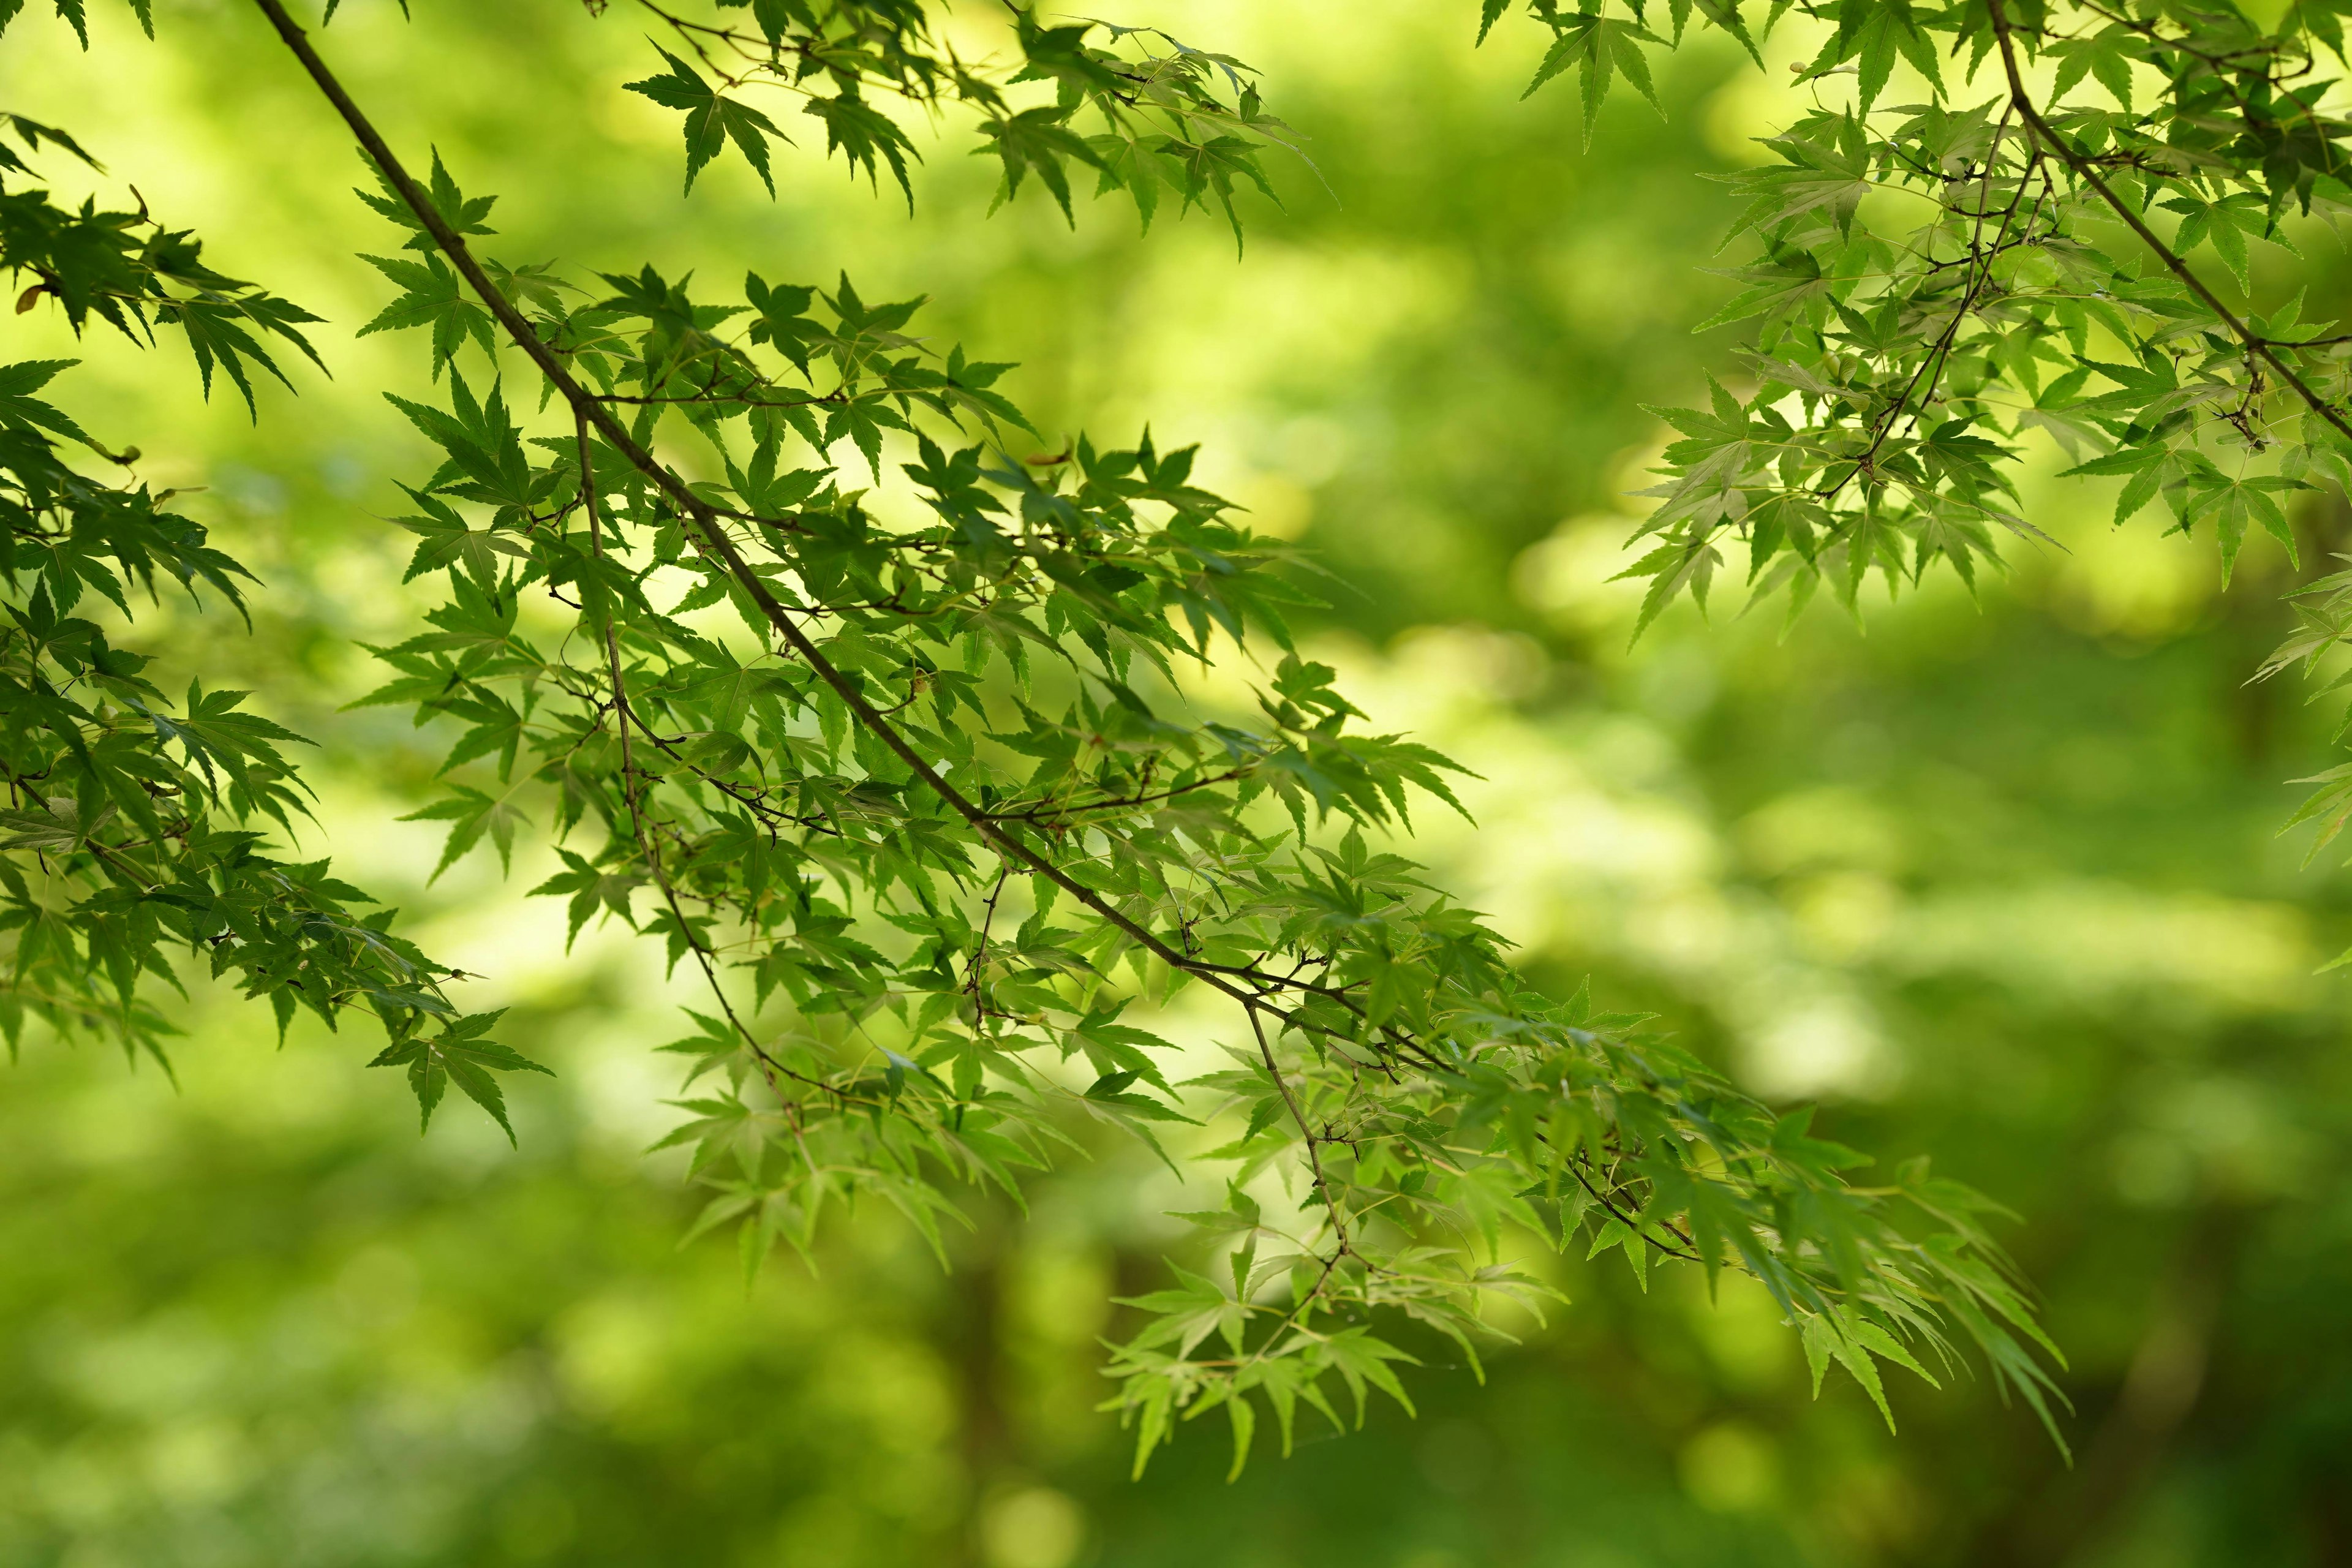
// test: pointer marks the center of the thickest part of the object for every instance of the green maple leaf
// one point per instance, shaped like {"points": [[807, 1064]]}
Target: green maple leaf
{"points": [[459, 1054], [711, 119]]}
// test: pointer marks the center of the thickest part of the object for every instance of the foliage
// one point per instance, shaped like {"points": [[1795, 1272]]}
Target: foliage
{"points": [[1163, 123], [948, 709], [1929, 281], [119, 850], [2049, 980]]}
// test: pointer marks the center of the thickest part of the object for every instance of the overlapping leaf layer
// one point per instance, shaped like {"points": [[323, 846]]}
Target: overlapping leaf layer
{"points": [[135, 830], [889, 725]]}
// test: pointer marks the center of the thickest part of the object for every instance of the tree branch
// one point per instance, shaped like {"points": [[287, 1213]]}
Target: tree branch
{"points": [[2256, 345], [709, 537]]}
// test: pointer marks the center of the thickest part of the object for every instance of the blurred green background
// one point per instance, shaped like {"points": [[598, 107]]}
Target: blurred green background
{"points": [[1996, 880]]}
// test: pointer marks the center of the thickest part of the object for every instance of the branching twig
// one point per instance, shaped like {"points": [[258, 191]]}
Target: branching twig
{"points": [[707, 535], [2083, 170]]}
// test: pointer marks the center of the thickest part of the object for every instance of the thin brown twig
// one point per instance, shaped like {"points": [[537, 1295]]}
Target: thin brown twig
{"points": [[1940, 353], [1298, 1114], [2086, 171], [648, 844]]}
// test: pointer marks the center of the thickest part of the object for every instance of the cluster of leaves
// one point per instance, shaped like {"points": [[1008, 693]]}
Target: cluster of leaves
{"points": [[1930, 280], [908, 772], [911, 773], [1140, 111], [132, 273], [134, 831]]}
